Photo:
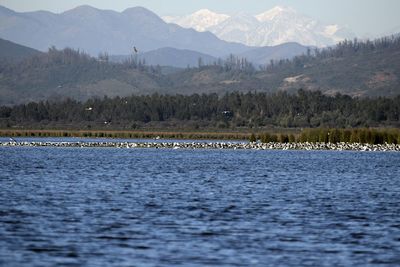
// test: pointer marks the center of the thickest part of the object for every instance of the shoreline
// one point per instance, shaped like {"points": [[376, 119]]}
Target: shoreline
{"points": [[212, 145], [129, 134]]}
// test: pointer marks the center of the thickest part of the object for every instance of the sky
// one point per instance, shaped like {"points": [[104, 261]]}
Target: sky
{"points": [[366, 18]]}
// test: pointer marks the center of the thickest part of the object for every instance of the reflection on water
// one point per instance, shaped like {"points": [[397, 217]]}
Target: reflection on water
{"points": [[110, 207]]}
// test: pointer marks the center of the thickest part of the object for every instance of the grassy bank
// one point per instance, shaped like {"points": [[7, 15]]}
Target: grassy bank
{"points": [[126, 134], [325, 135]]}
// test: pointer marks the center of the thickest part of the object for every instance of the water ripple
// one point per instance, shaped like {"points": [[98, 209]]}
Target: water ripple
{"points": [[110, 207]]}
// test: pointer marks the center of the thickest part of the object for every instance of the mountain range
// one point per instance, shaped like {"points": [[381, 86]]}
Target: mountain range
{"points": [[359, 68], [94, 31], [117, 33], [273, 27]]}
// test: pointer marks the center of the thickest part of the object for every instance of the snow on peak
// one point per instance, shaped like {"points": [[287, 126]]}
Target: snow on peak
{"points": [[204, 12], [275, 12], [200, 20], [275, 26], [331, 29]]}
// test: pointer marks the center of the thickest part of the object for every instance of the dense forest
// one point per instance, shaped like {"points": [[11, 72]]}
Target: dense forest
{"points": [[232, 110], [355, 68]]}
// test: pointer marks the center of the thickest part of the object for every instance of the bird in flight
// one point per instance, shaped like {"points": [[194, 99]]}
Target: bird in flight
{"points": [[135, 49]]}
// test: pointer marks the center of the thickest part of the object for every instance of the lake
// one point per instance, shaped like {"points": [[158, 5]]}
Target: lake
{"points": [[149, 207]]}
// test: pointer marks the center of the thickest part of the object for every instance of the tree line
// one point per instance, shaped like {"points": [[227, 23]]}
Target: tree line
{"points": [[305, 109], [344, 48]]}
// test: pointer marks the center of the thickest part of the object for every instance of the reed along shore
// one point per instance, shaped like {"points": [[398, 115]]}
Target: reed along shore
{"points": [[192, 135], [312, 135]]}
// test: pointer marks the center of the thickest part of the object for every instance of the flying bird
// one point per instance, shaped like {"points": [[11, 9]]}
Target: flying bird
{"points": [[134, 49]]}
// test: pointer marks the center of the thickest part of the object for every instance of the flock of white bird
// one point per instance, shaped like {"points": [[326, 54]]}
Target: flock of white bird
{"points": [[212, 145]]}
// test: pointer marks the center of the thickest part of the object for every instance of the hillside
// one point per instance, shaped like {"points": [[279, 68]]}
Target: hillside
{"points": [[263, 55], [69, 73], [168, 56], [182, 58], [12, 51], [370, 68]]}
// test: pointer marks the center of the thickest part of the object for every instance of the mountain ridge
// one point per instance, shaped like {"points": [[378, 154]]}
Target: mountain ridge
{"points": [[273, 27], [15, 52], [359, 68], [94, 30]]}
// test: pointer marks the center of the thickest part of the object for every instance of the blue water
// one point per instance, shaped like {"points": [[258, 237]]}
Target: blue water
{"points": [[147, 207]]}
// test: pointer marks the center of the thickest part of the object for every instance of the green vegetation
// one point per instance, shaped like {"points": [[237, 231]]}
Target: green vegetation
{"points": [[334, 135], [74, 74], [253, 116], [126, 134], [232, 111], [74, 94], [316, 135], [355, 68]]}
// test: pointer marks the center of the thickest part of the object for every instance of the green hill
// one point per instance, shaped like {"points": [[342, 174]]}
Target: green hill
{"points": [[369, 68], [353, 68], [73, 74]]}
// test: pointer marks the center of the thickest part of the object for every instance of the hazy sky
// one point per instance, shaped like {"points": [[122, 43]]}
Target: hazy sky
{"points": [[364, 17]]}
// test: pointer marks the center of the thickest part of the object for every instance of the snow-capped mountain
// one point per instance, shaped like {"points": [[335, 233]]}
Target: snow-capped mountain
{"points": [[200, 20], [238, 28], [94, 30], [273, 27]]}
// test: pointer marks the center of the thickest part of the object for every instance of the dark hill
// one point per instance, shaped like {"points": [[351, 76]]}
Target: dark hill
{"points": [[370, 68], [263, 55], [12, 51], [367, 69], [69, 73]]}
